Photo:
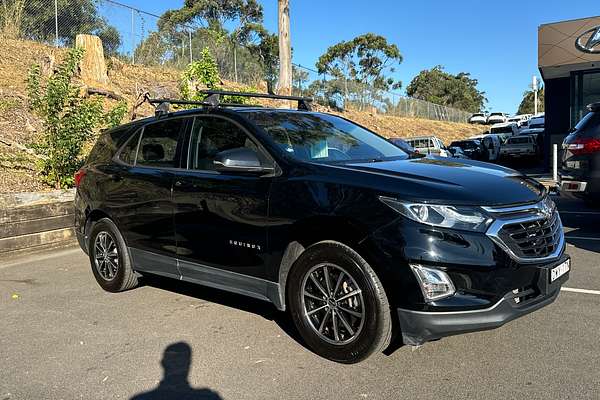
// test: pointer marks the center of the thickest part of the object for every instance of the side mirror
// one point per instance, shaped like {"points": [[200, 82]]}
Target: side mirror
{"points": [[240, 159]]}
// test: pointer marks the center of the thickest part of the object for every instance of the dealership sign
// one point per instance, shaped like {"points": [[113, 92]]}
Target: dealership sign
{"points": [[589, 41], [568, 46]]}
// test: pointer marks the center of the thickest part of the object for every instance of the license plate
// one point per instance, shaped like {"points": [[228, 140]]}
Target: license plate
{"points": [[560, 270]]}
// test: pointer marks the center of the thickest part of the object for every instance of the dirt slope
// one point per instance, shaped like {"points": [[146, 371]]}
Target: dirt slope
{"points": [[19, 126]]}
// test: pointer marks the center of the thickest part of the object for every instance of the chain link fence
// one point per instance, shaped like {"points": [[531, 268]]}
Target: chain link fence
{"points": [[133, 35]]}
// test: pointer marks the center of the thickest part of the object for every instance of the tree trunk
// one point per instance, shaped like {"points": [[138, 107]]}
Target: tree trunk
{"points": [[285, 53], [92, 66]]}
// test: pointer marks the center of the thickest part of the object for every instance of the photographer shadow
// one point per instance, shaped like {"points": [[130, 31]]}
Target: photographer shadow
{"points": [[176, 362]]}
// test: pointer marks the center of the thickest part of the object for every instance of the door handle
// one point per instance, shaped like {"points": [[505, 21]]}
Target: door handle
{"points": [[178, 183]]}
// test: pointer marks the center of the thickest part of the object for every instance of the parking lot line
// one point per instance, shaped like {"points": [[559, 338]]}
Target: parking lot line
{"points": [[581, 237], [579, 212], [575, 290]]}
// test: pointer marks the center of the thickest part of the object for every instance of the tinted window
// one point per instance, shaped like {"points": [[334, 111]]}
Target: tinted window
{"points": [[322, 137], [158, 146], [589, 122], [127, 154], [212, 135]]}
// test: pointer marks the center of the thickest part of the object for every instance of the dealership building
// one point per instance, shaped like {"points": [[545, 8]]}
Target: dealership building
{"points": [[569, 61]]}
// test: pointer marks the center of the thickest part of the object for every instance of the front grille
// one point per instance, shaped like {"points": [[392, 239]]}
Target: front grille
{"points": [[533, 239]]}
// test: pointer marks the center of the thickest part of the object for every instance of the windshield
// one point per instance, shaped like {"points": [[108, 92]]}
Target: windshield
{"points": [[323, 138], [502, 129], [465, 145]]}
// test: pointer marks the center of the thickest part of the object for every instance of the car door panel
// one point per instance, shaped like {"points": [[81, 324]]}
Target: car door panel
{"points": [[221, 219]]}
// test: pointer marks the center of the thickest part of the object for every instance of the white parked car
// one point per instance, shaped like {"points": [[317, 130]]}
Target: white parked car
{"points": [[520, 120], [535, 126], [497, 118], [507, 128], [519, 146], [492, 144], [478, 118], [428, 145]]}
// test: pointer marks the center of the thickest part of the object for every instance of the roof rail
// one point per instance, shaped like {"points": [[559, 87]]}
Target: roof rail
{"points": [[213, 95]]}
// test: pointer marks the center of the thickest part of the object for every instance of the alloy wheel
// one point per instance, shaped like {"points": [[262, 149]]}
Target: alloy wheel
{"points": [[333, 303], [106, 256]]}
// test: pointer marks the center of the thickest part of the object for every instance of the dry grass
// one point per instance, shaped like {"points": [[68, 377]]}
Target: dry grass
{"points": [[18, 124]]}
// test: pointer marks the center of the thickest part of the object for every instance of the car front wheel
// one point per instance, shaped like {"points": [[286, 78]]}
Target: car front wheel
{"points": [[338, 303]]}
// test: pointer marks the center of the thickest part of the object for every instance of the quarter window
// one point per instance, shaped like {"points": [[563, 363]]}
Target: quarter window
{"points": [[128, 153], [158, 146]]}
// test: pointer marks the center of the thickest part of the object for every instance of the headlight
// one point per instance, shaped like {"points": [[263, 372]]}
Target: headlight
{"points": [[455, 217], [435, 284]]}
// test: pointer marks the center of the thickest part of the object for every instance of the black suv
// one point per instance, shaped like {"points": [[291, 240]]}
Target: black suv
{"points": [[580, 168], [321, 217]]}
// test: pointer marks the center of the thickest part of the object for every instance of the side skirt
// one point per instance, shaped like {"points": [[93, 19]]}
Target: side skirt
{"points": [[145, 261]]}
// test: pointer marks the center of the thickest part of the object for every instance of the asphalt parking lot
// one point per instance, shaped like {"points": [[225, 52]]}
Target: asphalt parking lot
{"points": [[62, 337]]}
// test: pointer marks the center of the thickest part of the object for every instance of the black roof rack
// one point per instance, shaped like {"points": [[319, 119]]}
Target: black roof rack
{"points": [[213, 96]]}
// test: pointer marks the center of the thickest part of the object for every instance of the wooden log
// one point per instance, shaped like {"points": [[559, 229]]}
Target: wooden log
{"points": [[103, 92], [93, 65]]}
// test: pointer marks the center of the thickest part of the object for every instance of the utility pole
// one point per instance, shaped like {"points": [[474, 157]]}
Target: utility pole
{"points": [[535, 95], [285, 53]]}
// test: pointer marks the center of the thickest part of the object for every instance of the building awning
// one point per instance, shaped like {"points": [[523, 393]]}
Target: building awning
{"points": [[568, 46]]}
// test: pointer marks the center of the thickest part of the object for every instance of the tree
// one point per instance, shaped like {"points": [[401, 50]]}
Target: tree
{"points": [[439, 87], [285, 48], [526, 106], [267, 51], [243, 16], [74, 16], [368, 60], [299, 79], [69, 120]]}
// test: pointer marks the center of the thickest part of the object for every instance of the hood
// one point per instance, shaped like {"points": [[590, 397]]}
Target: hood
{"points": [[446, 181]]}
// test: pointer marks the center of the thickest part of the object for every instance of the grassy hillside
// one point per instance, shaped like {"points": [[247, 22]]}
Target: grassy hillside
{"points": [[19, 127]]}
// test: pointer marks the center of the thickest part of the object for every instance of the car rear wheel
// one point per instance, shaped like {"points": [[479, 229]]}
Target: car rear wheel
{"points": [[338, 303], [109, 258]]}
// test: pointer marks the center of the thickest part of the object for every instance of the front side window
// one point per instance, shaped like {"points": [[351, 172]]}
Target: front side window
{"points": [[323, 138], [212, 135], [159, 144]]}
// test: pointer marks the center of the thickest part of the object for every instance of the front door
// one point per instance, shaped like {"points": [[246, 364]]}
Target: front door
{"points": [[220, 218]]}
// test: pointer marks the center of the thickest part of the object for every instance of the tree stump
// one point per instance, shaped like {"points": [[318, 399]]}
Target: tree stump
{"points": [[92, 66]]}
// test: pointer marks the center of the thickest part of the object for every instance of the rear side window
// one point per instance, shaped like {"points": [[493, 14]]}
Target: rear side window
{"points": [[590, 123], [159, 144]]}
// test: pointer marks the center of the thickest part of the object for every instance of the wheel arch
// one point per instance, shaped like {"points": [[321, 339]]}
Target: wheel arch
{"points": [[314, 230]]}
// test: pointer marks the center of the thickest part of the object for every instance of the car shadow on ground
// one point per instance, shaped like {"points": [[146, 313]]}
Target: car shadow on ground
{"points": [[244, 303], [227, 299], [176, 362]]}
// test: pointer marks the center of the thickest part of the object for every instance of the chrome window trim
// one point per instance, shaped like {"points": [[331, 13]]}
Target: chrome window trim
{"points": [[499, 222]]}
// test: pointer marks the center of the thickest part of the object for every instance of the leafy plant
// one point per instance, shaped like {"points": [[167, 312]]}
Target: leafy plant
{"points": [[69, 119], [204, 74]]}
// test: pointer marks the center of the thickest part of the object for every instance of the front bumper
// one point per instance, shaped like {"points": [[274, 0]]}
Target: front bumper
{"points": [[419, 327]]}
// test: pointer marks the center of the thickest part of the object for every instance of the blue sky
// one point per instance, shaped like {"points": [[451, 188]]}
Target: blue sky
{"points": [[495, 41]]}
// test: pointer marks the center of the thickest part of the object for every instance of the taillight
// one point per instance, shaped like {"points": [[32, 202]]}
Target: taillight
{"points": [[78, 177], [584, 146]]}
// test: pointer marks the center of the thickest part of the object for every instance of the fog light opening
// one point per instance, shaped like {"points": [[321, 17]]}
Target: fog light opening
{"points": [[435, 284]]}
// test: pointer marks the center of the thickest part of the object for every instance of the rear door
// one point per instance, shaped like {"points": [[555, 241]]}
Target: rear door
{"points": [[141, 194], [581, 149]]}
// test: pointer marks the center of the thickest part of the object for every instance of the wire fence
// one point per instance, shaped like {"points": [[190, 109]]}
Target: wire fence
{"points": [[133, 35]]}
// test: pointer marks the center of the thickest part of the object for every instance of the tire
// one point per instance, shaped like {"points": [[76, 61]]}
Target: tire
{"points": [[347, 271], [113, 272]]}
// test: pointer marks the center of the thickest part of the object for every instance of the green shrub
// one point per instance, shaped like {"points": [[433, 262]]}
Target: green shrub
{"points": [[204, 74], [69, 120]]}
